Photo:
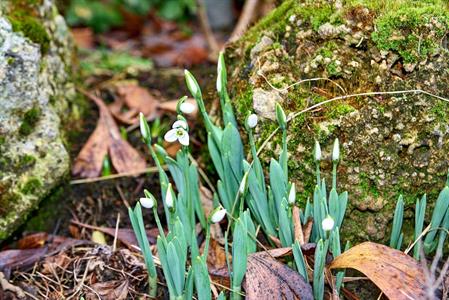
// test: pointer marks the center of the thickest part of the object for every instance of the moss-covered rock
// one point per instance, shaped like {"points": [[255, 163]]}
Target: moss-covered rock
{"points": [[391, 143], [35, 62]]}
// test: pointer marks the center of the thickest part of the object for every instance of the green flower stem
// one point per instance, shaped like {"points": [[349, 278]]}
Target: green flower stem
{"points": [[236, 293], [318, 177], [152, 281]]}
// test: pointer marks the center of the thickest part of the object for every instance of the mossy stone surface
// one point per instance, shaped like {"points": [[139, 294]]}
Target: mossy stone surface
{"points": [[35, 67], [390, 143]]}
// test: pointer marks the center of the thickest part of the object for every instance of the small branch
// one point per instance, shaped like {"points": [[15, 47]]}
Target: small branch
{"points": [[205, 26], [115, 176], [244, 20]]}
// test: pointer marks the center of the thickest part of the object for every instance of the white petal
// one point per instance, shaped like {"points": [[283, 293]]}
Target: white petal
{"points": [[170, 136], [180, 123], [144, 129], [252, 120], [328, 223], [184, 139], [218, 216], [187, 107], [147, 202]]}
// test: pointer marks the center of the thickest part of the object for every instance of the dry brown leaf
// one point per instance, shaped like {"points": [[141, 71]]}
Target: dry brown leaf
{"points": [[35, 240], [106, 138], [110, 290], [396, 274], [267, 278], [137, 99], [83, 37]]}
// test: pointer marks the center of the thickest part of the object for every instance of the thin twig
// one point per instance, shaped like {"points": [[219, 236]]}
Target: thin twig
{"points": [[244, 20], [115, 176], [114, 244], [205, 26]]}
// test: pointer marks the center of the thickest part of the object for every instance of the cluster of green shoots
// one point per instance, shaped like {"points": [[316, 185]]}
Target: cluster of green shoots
{"points": [[426, 240], [249, 198], [242, 195]]}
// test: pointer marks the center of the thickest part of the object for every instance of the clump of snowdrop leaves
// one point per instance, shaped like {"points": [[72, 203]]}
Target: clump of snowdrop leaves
{"points": [[178, 132]]}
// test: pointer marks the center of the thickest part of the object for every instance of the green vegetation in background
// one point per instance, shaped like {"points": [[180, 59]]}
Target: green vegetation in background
{"points": [[101, 61], [101, 16]]}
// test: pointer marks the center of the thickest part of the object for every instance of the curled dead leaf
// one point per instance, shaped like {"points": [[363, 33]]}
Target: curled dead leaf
{"points": [[396, 274], [267, 278], [106, 138]]}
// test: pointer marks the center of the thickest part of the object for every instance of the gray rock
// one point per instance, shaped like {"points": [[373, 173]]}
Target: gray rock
{"points": [[35, 92], [264, 103]]}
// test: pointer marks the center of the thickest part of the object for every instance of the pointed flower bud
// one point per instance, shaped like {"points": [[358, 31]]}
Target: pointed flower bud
{"points": [[218, 214], [144, 128], [244, 183], [292, 194], [328, 223], [221, 73], [317, 152], [187, 108], [169, 196], [147, 202], [280, 116], [336, 151], [192, 85]]}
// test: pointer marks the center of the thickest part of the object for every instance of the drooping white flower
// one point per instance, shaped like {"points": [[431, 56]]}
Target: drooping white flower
{"points": [[317, 151], [292, 194], [218, 215], [169, 196], [328, 223], [252, 120], [178, 132], [144, 128], [187, 107], [336, 150], [147, 202]]}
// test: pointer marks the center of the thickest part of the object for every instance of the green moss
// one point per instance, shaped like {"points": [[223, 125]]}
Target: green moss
{"points": [[29, 120], [32, 29], [31, 186], [414, 32], [440, 111], [336, 111], [27, 160]]}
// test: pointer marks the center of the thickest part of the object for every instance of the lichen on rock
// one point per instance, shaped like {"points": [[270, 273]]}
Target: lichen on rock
{"points": [[35, 59], [391, 143]]}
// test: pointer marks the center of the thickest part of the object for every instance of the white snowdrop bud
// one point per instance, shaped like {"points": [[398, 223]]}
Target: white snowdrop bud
{"points": [[191, 83], [328, 223], [169, 196], [292, 194], [147, 202], [144, 128], [243, 183], [252, 120], [218, 215], [336, 150], [187, 107]]}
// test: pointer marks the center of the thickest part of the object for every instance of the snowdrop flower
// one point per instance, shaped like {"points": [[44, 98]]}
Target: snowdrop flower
{"points": [[336, 150], [147, 202], [243, 183], [292, 194], [221, 72], [178, 132], [218, 215], [317, 152], [328, 223], [252, 120], [187, 107], [144, 128], [169, 196], [191, 83]]}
